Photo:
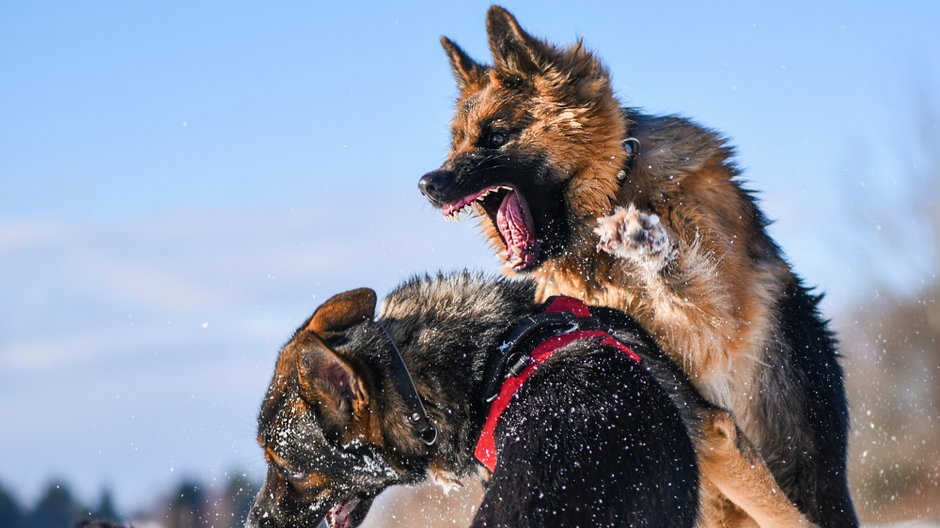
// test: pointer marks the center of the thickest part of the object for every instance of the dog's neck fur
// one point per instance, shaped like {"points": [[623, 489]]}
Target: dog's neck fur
{"points": [[446, 351]]}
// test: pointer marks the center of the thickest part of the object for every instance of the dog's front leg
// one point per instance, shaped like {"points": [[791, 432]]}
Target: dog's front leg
{"points": [[691, 307], [637, 236]]}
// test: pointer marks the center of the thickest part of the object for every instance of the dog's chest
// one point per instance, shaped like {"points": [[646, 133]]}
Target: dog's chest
{"points": [[721, 369]]}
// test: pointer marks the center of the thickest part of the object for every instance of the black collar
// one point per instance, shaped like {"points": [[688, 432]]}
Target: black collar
{"points": [[409, 393]]}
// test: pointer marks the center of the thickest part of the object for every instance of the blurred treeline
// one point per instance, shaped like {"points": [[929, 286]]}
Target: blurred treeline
{"points": [[891, 341], [189, 505]]}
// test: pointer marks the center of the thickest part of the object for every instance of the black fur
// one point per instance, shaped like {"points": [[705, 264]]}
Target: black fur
{"points": [[592, 440], [810, 462]]}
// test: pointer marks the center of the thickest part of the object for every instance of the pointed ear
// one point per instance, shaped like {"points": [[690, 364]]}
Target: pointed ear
{"points": [[330, 383], [342, 311], [466, 70], [514, 50]]}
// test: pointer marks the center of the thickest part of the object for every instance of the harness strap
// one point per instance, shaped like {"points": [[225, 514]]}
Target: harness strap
{"points": [[485, 450], [405, 386]]}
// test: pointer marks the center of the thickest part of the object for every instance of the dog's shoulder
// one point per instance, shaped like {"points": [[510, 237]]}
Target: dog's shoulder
{"points": [[672, 146]]}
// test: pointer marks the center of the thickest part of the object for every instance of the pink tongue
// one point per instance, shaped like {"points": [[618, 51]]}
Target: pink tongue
{"points": [[510, 220], [339, 516]]}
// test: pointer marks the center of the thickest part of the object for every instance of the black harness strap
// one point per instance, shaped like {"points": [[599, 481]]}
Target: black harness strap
{"points": [[409, 393], [512, 355]]}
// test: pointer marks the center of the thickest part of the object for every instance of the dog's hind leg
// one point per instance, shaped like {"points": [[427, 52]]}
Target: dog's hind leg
{"points": [[716, 511], [729, 461]]}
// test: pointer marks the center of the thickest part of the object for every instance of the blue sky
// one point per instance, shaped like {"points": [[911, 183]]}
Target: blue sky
{"points": [[181, 183]]}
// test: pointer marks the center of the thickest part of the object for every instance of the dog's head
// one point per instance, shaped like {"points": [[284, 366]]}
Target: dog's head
{"points": [[536, 142], [321, 423]]}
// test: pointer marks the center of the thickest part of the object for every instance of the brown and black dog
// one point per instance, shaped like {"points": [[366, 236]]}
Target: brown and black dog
{"points": [[603, 432], [645, 214]]}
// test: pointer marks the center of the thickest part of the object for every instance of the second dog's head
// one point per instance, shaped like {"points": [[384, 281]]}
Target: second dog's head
{"points": [[320, 422]]}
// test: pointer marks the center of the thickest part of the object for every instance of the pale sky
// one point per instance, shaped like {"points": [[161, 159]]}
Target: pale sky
{"points": [[181, 183]]}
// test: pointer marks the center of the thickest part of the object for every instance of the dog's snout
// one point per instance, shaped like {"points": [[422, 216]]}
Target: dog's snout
{"points": [[261, 514], [435, 184]]}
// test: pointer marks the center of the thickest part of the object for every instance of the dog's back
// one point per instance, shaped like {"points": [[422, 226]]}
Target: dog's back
{"points": [[592, 439]]}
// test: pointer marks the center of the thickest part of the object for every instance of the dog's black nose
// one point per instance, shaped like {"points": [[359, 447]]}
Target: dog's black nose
{"points": [[435, 184]]}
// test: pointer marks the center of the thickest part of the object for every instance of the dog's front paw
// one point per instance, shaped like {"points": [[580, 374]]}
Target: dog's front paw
{"points": [[632, 234]]}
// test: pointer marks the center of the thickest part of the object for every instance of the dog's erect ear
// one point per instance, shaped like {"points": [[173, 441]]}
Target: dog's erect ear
{"points": [[329, 382], [342, 311], [466, 70], [514, 50]]}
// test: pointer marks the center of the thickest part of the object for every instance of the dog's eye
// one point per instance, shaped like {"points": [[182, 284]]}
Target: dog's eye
{"points": [[293, 476], [497, 139]]}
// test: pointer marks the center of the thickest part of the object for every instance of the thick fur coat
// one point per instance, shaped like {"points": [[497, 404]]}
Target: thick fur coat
{"points": [[592, 438], [646, 214]]}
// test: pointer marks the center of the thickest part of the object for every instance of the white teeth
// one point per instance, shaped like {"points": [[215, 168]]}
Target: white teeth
{"points": [[456, 214], [491, 190], [471, 209]]}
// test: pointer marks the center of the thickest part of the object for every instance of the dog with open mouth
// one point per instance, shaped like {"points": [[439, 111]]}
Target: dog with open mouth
{"points": [[646, 214], [575, 414]]}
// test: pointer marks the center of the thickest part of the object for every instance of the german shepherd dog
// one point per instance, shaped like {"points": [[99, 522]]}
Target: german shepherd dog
{"points": [[600, 434], [645, 214]]}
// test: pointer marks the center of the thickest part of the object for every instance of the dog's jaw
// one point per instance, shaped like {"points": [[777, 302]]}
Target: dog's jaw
{"points": [[343, 515], [509, 213]]}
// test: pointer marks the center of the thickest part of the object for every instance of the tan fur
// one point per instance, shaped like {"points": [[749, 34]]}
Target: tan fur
{"points": [[705, 297], [738, 478], [711, 314]]}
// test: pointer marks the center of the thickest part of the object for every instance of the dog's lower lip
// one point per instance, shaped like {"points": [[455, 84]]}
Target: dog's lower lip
{"points": [[511, 217]]}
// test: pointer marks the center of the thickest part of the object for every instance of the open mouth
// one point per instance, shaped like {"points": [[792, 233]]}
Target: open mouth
{"points": [[345, 515], [510, 214]]}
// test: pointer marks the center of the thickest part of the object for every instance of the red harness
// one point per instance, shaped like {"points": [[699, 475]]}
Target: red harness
{"points": [[485, 450]]}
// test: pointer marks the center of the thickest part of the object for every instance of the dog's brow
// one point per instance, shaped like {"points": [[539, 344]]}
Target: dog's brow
{"points": [[314, 481], [468, 104]]}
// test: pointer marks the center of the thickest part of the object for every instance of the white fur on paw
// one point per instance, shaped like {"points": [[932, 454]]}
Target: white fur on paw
{"points": [[631, 233]]}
